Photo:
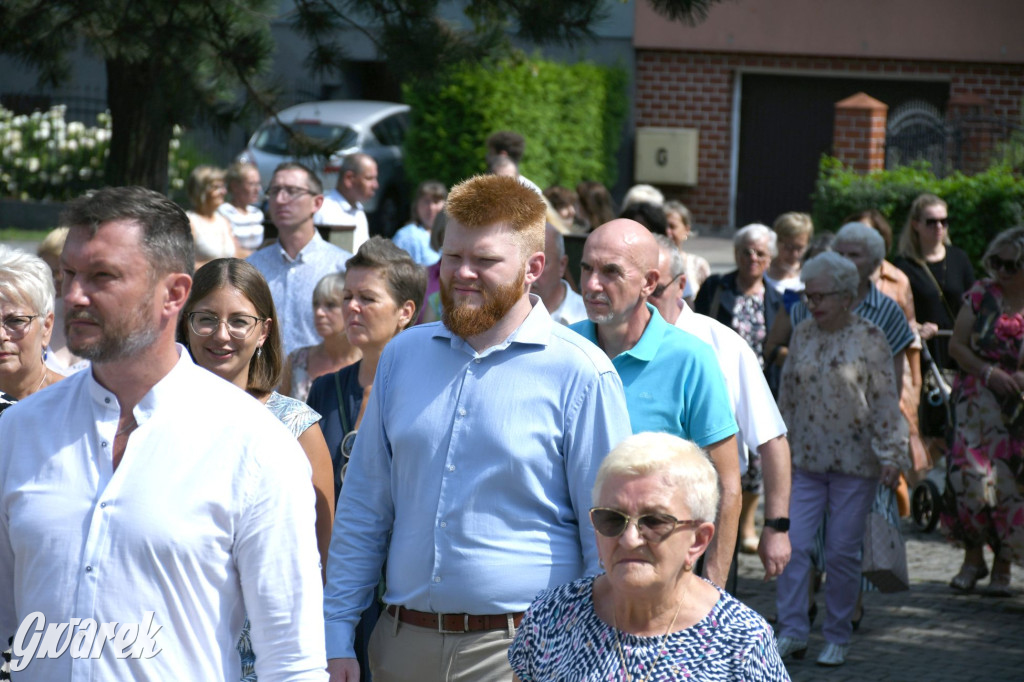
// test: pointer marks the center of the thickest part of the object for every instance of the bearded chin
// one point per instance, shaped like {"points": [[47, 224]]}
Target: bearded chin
{"points": [[466, 320]]}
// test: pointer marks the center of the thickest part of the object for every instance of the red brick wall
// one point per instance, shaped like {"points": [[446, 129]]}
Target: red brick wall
{"points": [[694, 89]]}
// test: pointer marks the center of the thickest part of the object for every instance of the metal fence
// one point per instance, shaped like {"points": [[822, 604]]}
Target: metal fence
{"points": [[968, 144]]}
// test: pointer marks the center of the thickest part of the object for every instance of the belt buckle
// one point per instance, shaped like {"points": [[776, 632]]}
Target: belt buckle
{"points": [[441, 629]]}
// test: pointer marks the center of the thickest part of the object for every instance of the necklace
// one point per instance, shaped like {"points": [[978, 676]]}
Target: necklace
{"points": [[661, 647], [130, 427], [41, 380]]}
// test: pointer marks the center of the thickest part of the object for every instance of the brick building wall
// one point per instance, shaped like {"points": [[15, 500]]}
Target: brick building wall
{"points": [[695, 89]]}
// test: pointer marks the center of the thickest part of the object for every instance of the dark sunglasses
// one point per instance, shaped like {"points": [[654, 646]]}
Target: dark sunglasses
{"points": [[659, 290], [935, 222], [1010, 267], [612, 523]]}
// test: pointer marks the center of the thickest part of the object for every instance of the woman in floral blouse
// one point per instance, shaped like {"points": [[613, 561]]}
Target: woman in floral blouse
{"points": [[838, 396], [986, 463]]}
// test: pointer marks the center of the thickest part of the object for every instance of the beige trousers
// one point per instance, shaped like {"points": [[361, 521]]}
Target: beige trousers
{"points": [[406, 653]]}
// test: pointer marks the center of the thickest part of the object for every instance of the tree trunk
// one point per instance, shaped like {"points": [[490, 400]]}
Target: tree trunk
{"points": [[141, 125]]}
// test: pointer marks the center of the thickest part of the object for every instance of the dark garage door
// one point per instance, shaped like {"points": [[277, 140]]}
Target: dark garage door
{"points": [[785, 127]]}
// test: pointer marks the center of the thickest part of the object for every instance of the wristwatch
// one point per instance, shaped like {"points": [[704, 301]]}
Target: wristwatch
{"points": [[780, 524]]}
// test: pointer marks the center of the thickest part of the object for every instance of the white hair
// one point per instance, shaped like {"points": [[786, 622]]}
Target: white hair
{"points": [[866, 237], [756, 232], [676, 261], [681, 462], [841, 271], [25, 278], [643, 194]]}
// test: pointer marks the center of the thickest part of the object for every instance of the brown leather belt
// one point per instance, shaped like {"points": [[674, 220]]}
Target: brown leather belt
{"points": [[454, 622]]}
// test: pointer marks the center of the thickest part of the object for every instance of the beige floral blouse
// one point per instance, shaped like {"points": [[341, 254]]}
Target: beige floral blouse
{"points": [[838, 397]]}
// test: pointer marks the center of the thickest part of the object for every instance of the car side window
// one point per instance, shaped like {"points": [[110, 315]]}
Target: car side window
{"points": [[390, 131]]}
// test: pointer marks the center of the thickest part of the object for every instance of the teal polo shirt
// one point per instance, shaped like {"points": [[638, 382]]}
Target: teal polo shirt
{"points": [[673, 383]]}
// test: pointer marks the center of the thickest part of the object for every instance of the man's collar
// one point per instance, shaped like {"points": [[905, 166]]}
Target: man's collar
{"points": [[535, 329], [646, 346]]}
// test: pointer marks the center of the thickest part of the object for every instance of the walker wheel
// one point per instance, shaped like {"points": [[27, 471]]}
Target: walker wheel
{"points": [[924, 506]]}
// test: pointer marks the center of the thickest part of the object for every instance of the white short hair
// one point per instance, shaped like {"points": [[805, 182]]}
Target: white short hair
{"points": [[677, 263], [25, 278], [841, 271], [681, 462], [864, 236], [643, 194], [756, 232]]}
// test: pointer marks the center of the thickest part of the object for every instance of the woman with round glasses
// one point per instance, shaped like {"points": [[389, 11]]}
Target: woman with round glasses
{"points": [[648, 617], [26, 322], [986, 462], [228, 327], [846, 435], [939, 274], [333, 352]]}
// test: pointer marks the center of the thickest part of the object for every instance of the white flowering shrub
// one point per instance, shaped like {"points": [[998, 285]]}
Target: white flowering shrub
{"points": [[42, 156]]}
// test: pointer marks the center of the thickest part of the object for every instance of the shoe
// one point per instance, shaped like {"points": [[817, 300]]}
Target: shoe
{"points": [[968, 577], [833, 655], [998, 585], [748, 545], [790, 646]]}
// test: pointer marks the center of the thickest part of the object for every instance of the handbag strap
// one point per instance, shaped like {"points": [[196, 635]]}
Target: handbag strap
{"points": [[341, 404], [931, 276]]}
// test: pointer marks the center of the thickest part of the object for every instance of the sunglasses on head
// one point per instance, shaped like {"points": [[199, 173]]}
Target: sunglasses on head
{"points": [[612, 523], [1008, 266]]}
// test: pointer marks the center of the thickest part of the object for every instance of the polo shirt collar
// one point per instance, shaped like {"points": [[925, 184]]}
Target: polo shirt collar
{"points": [[647, 347]]}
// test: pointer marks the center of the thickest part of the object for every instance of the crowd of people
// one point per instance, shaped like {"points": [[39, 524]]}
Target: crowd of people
{"points": [[448, 456]]}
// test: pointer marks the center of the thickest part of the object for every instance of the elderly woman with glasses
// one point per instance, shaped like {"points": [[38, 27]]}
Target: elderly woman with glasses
{"points": [[648, 617], [986, 462], [26, 323], [228, 326], [846, 435]]}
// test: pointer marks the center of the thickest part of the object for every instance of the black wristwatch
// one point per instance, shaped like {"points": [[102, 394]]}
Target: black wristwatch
{"points": [[780, 524]]}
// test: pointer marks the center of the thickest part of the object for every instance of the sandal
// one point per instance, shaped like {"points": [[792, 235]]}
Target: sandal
{"points": [[968, 577], [999, 585]]}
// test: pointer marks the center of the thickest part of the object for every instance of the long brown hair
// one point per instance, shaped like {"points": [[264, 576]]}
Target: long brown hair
{"points": [[265, 367]]}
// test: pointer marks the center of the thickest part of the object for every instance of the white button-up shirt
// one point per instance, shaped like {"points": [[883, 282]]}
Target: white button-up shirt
{"points": [[337, 211], [209, 514], [753, 405]]}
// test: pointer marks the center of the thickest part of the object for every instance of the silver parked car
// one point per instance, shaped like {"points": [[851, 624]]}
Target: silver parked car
{"points": [[343, 128]]}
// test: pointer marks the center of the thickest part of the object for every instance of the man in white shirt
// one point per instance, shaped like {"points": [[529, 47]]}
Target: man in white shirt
{"points": [[343, 205], [761, 425], [564, 305], [166, 504], [300, 258]]}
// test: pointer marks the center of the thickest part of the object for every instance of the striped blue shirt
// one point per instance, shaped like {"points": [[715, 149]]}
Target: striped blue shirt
{"points": [[878, 309]]}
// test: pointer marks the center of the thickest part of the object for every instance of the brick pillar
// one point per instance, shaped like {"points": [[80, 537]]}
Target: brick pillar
{"points": [[968, 116], [858, 137]]}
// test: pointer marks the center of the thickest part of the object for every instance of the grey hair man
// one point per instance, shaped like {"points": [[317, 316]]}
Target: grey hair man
{"points": [[565, 305], [169, 504], [761, 426], [343, 205]]}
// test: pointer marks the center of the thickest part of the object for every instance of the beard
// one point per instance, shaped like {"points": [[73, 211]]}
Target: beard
{"points": [[466, 320], [124, 338]]}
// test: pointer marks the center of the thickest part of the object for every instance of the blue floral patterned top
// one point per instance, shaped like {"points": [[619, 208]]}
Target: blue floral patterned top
{"points": [[562, 638]]}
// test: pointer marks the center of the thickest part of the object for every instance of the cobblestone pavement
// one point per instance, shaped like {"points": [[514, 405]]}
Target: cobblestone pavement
{"points": [[928, 633]]}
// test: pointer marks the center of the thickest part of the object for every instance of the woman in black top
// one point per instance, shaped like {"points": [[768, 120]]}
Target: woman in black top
{"points": [[939, 274]]}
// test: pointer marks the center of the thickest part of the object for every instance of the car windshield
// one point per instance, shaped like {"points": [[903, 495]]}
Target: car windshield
{"points": [[309, 138]]}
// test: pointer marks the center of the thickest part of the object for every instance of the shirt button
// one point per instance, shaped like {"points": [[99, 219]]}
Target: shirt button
{"points": [[451, 467], [477, 361], [104, 444], [437, 579], [462, 412], [444, 524], [103, 505], [106, 400], [88, 569]]}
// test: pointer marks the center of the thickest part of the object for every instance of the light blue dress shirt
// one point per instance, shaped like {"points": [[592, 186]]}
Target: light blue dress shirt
{"points": [[416, 242], [673, 383], [292, 282], [480, 468]]}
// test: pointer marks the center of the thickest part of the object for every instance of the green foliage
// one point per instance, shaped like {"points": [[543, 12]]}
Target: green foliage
{"points": [[570, 115], [44, 157], [980, 206]]}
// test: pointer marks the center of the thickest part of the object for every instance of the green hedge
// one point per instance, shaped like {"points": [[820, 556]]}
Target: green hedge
{"points": [[980, 206], [570, 115]]}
